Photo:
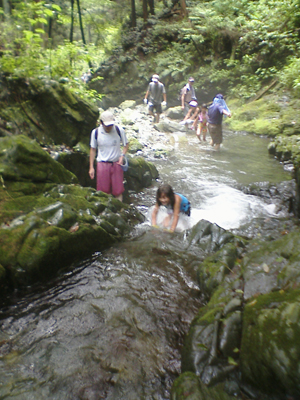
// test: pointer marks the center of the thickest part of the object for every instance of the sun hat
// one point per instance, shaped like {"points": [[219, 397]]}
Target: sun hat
{"points": [[107, 118], [124, 166], [193, 103]]}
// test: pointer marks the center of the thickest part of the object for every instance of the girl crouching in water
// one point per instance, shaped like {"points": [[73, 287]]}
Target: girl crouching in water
{"points": [[174, 202]]}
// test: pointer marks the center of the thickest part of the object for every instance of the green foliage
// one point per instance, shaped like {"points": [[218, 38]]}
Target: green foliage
{"points": [[289, 76]]}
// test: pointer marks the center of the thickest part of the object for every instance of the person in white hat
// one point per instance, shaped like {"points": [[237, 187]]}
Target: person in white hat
{"points": [[157, 97], [187, 96], [107, 139]]}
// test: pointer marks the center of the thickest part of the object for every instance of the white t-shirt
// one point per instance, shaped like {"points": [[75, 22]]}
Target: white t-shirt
{"points": [[108, 144]]}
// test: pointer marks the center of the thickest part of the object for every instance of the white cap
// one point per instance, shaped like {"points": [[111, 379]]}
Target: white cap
{"points": [[107, 118], [155, 78]]}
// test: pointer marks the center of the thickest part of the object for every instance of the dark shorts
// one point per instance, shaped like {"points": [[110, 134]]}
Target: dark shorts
{"points": [[215, 132], [156, 107], [110, 178]]}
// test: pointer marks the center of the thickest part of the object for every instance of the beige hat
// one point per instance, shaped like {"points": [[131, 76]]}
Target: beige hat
{"points": [[107, 118]]}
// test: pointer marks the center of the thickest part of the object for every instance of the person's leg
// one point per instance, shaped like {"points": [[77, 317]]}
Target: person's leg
{"points": [[103, 177], [198, 133], [158, 112], [216, 135], [117, 184], [204, 130], [150, 110]]}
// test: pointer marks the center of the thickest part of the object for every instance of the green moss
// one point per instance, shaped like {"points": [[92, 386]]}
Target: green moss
{"points": [[212, 272], [189, 387], [134, 145], [266, 117], [270, 348]]}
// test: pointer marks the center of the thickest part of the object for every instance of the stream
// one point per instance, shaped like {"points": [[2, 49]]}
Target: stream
{"points": [[112, 327]]}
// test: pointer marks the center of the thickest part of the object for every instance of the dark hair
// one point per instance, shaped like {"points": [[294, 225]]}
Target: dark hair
{"points": [[168, 191]]}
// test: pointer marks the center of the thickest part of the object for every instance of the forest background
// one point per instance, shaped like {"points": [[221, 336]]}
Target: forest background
{"points": [[229, 46]]}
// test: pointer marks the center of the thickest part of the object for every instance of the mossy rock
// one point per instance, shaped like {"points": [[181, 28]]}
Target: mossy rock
{"points": [[140, 173], [286, 148], [44, 232], [22, 159], [127, 104], [270, 349], [212, 272], [48, 112], [189, 387], [269, 266], [134, 145]]}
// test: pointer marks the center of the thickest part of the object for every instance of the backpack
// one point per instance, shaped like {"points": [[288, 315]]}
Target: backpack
{"points": [[117, 129], [181, 92]]}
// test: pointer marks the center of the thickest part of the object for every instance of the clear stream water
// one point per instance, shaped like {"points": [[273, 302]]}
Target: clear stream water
{"points": [[112, 327]]}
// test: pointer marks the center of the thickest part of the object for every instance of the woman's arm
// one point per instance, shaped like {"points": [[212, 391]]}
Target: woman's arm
{"points": [[154, 214], [176, 212], [227, 113]]}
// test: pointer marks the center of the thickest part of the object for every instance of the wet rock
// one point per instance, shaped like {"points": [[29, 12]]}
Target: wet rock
{"points": [[127, 104], [209, 236], [230, 335], [189, 387], [170, 126], [174, 113], [22, 159], [270, 351], [49, 111]]}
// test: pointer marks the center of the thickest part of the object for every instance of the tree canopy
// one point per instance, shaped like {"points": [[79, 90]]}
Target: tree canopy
{"points": [[245, 44]]}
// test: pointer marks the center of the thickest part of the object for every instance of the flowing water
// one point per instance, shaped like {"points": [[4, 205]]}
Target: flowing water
{"points": [[113, 326]]}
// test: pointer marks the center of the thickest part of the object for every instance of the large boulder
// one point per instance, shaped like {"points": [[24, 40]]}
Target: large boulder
{"points": [[247, 333], [47, 220], [45, 110]]}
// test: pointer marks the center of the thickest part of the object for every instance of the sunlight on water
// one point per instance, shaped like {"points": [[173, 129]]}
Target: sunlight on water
{"points": [[211, 179]]}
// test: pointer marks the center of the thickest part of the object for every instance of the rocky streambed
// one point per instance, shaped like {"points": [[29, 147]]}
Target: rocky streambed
{"points": [[243, 342]]}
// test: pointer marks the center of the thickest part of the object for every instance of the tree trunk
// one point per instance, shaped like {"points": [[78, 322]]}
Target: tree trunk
{"points": [[145, 10], [80, 22], [183, 8], [133, 14], [151, 6], [6, 8], [72, 21]]}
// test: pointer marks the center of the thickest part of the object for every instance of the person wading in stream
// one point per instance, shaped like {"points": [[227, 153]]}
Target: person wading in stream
{"points": [[175, 204], [107, 139], [215, 118], [157, 97], [187, 96]]}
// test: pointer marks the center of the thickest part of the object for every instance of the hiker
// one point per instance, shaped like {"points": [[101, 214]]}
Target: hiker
{"points": [[110, 159], [174, 202], [200, 123], [157, 97], [187, 95], [192, 115], [215, 118]]}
